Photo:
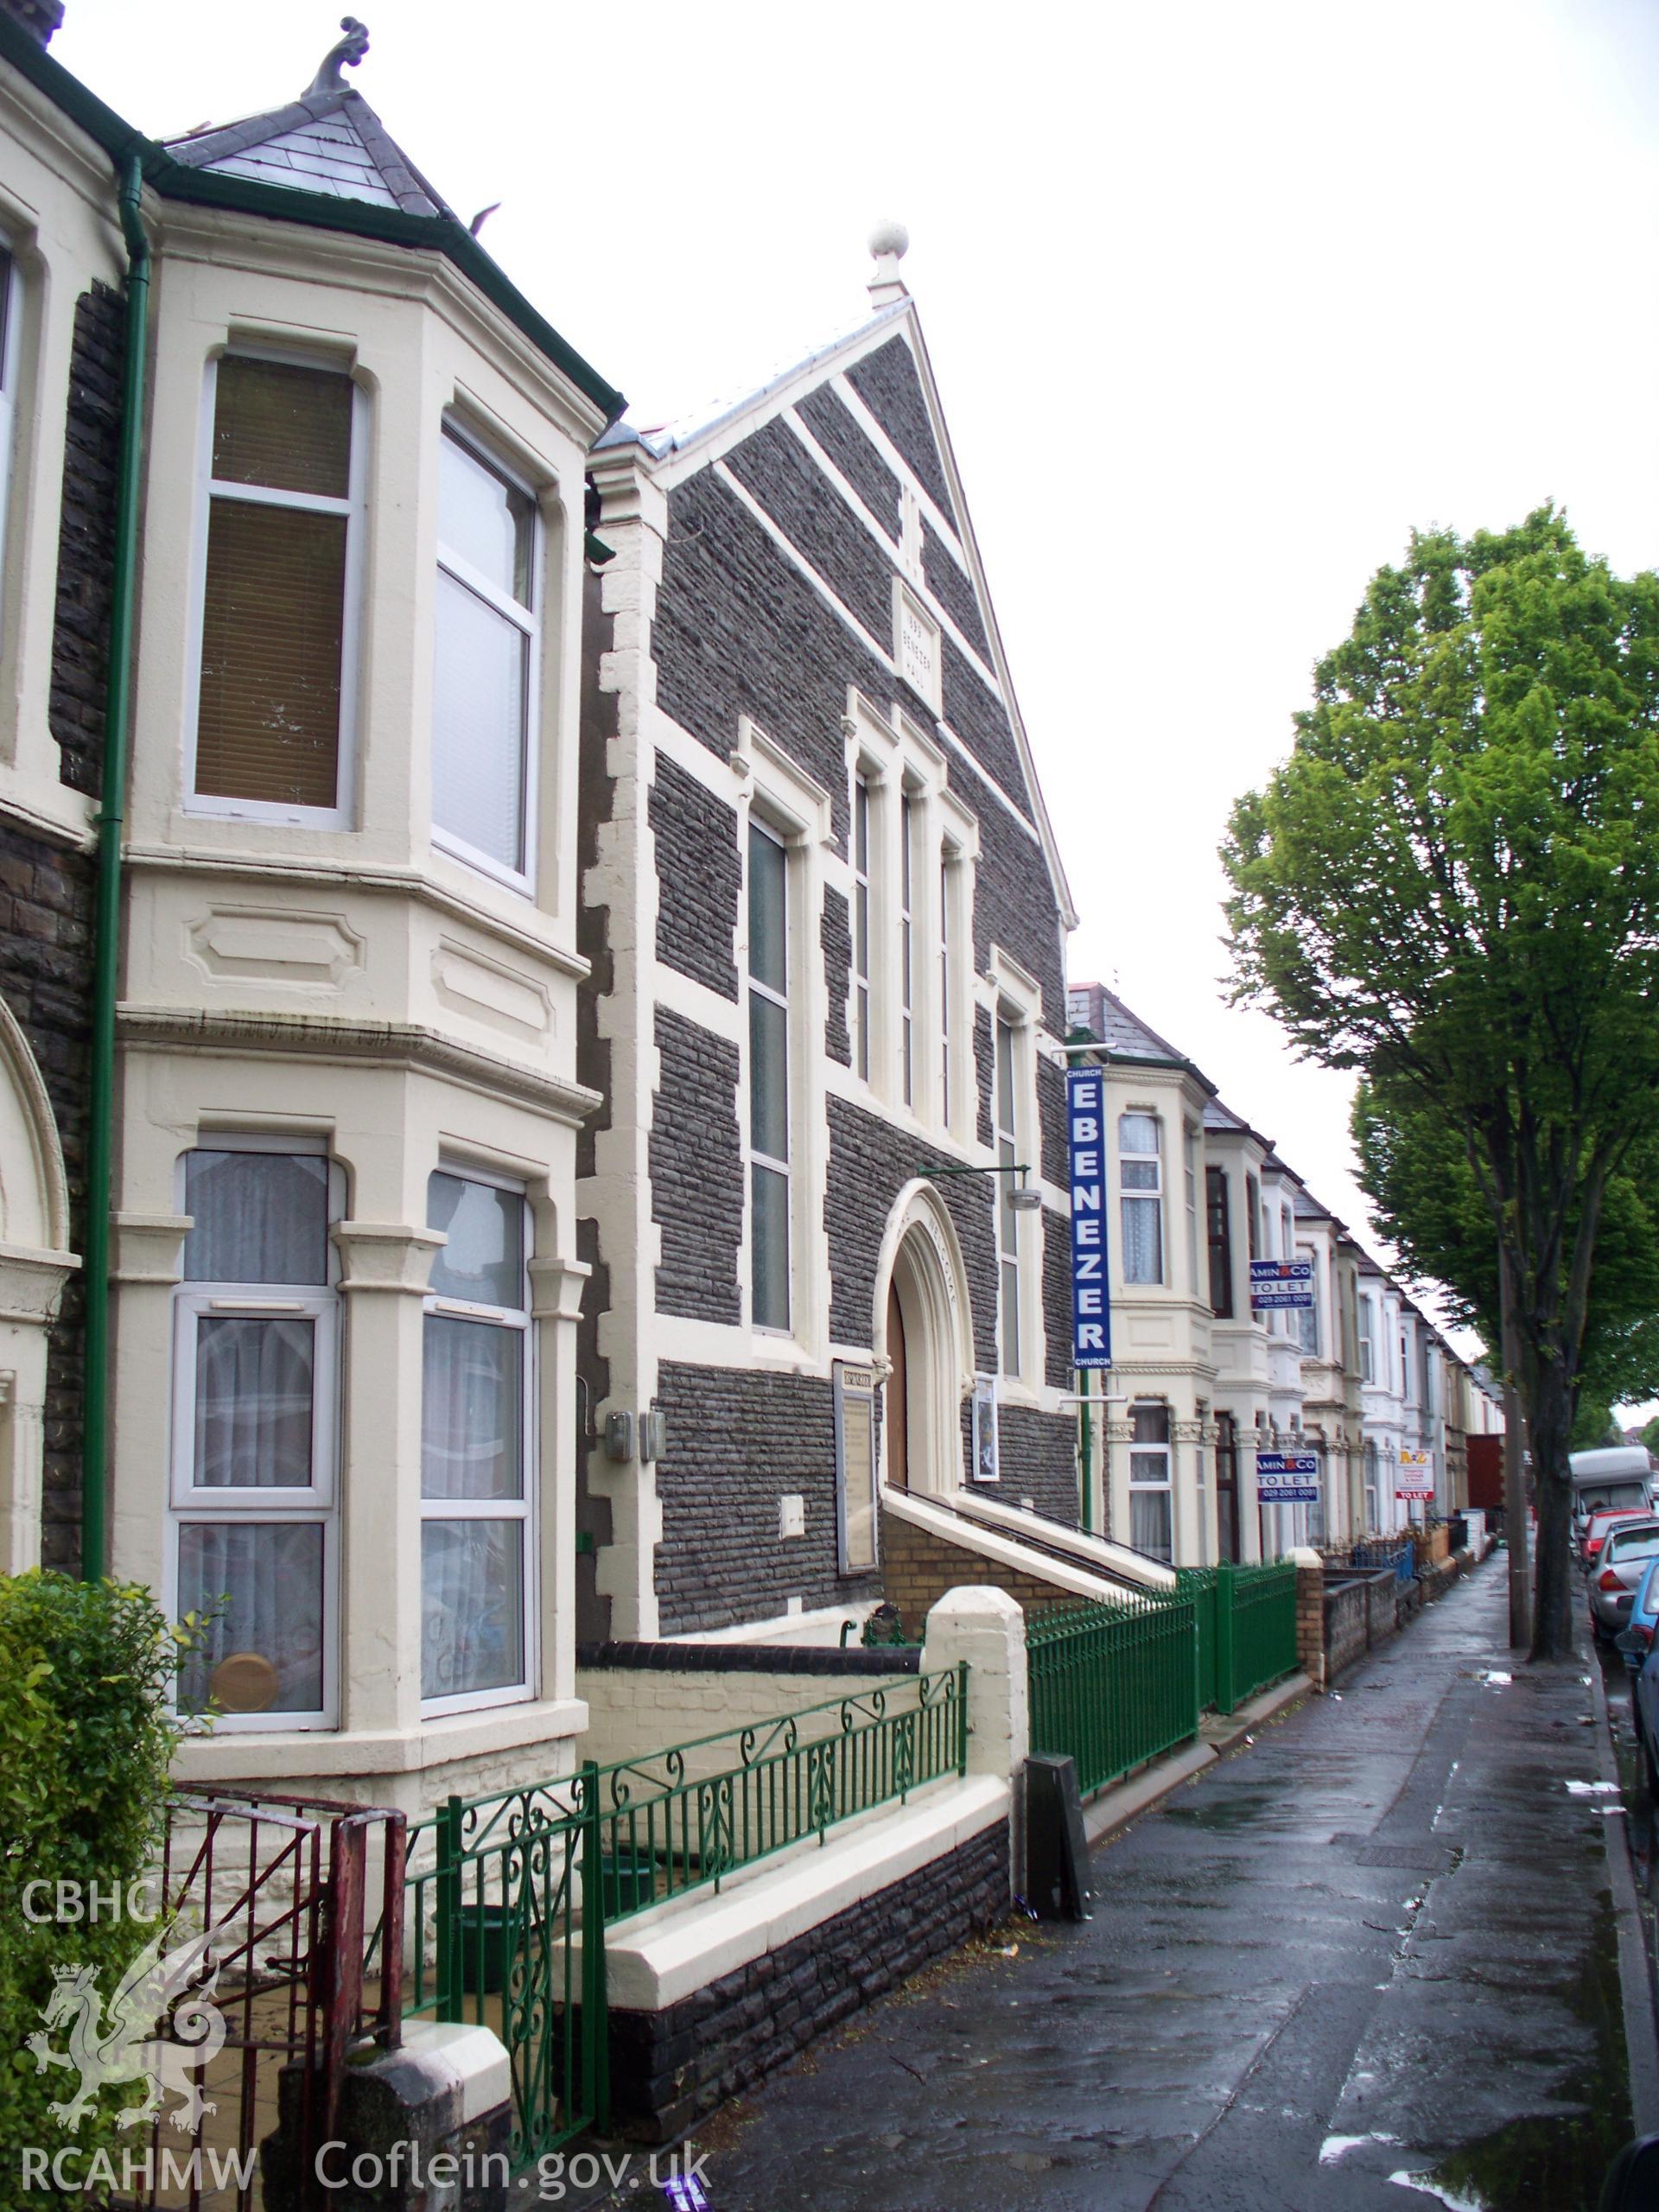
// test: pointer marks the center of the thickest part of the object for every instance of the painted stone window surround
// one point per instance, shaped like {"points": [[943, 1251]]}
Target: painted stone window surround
{"points": [[1016, 1011], [290, 500], [779, 800]]}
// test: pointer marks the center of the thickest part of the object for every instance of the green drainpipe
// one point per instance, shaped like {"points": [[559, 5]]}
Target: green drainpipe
{"points": [[106, 927], [1086, 1455]]}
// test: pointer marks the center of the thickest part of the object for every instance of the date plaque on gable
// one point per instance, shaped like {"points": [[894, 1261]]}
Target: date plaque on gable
{"points": [[918, 651]]}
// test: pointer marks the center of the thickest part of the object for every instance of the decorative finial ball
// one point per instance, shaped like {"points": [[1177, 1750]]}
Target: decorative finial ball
{"points": [[890, 238]]}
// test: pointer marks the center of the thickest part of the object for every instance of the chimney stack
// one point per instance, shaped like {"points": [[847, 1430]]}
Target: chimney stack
{"points": [[40, 18]]}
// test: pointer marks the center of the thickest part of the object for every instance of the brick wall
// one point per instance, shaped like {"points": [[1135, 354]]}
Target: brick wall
{"points": [[671, 2068], [699, 877], [696, 1171], [918, 1567]]}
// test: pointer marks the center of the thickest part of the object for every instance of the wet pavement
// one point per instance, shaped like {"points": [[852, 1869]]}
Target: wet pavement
{"points": [[1367, 1962]]}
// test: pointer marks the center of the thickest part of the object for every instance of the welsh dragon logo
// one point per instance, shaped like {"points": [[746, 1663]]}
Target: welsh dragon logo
{"points": [[113, 2045]]}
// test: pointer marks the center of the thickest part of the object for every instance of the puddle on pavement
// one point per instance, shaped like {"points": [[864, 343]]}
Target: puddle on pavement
{"points": [[1555, 2163], [1232, 1812]]}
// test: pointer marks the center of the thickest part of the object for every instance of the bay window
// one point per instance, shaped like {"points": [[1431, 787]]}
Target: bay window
{"points": [[476, 1461], [1220, 1243], [486, 625], [277, 618], [1140, 1186], [1151, 1525], [256, 1390], [1307, 1317], [1367, 1340], [768, 996]]}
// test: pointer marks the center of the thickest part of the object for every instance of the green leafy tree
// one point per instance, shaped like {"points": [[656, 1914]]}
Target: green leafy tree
{"points": [[1427, 1201], [1453, 884], [86, 1742]]}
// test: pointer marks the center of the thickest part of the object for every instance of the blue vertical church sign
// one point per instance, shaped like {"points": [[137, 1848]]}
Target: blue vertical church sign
{"points": [[1092, 1324]]}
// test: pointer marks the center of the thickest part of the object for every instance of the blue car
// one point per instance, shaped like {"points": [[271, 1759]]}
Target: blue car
{"points": [[1635, 1641]]}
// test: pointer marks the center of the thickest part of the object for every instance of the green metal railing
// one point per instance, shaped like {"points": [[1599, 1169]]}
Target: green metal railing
{"points": [[494, 1902], [506, 1898], [1113, 1685], [673, 1819], [1246, 1623]]}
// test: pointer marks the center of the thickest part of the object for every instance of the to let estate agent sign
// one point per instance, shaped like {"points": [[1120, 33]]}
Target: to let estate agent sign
{"points": [[1281, 1282], [1091, 1329], [1416, 1477], [1288, 1477]]}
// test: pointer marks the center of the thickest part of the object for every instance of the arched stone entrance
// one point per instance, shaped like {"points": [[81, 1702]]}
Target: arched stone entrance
{"points": [[923, 1344], [34, 1259]]}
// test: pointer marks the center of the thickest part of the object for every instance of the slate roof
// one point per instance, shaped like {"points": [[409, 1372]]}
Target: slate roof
{"points": [[1122, 1033], [329, 140]]}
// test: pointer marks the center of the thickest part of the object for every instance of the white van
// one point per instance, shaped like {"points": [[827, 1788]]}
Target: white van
{"points": [[1618, 1475]]}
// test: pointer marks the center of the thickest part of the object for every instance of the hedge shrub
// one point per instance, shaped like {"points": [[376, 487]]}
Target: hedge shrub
{"points": [[86, 1742]]}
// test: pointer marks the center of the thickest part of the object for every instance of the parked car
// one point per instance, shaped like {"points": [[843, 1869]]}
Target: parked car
{"points": [[1620, 1565], [1635, 1639], [1618, 1475], [1596, 1529], [1637, 1646]]}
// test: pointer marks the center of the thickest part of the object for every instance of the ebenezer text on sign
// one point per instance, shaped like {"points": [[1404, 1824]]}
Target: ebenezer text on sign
{"points": [[1092, 1331]]}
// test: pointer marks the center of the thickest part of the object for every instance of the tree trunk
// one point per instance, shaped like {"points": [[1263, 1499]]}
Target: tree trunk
{"points": [[1516, 1531], [1550, 1422]]}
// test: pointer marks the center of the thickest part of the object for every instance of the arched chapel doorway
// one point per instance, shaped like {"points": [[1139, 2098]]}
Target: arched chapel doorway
{"points": [[924, 1338]]}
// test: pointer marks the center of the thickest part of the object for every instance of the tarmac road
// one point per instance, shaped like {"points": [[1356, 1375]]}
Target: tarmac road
{"points": [[1368, 1962]]}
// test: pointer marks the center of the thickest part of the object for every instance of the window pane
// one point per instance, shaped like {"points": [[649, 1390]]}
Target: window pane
{"points": [[1150, 1423], [479, 693], [1137, 1133], [488, 522], [766, 929], [1004, 1076], [264, 1652], [768, 1077], [484, 1261], [1010, 1317], [260, 1216], [770, 1259], [254, 1402], [1139, 1174], [472, 1409], [278, 424], [1149, 1524], [1143, 1242], [471, 1607], [268, 721]]}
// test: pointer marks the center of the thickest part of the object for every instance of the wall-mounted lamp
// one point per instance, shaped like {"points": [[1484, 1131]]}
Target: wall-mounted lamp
{"points": [[1021, 1197]]}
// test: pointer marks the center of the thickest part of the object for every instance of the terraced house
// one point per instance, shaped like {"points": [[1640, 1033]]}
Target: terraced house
{"points": [[825, 1198]]}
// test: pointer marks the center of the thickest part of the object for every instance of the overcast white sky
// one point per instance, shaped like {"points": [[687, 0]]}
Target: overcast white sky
{"points": [[1222, 301]]}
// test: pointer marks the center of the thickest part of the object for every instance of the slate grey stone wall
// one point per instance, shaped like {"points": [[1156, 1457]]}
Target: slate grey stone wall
{"points": [[1036, 1454], [831, 424], [870, 1161], [696, 1171], [736, 1443], [951, 585], [887, 384], [1050, 1123], [46, 976], [672, 2068], [1057, 1299], [699, 877], [775, 466], [1013, 898], [984, 1069], [87, 537], [835, 936]]}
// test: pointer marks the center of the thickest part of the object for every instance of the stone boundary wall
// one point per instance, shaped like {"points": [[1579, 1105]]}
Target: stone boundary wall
{"points": [[671, 2068], [634, 1712]]}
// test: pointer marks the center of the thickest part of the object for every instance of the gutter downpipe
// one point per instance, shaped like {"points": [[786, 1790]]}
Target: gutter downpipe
{"points": [[107, 929]]}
